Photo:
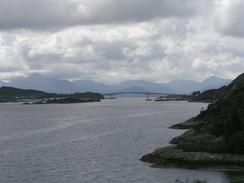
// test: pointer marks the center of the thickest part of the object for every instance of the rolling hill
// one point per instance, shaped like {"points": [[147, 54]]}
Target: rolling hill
{"points": [[55, 85]]}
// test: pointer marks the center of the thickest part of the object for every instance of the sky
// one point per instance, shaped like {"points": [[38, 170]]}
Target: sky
{"points": [[117, 40]]}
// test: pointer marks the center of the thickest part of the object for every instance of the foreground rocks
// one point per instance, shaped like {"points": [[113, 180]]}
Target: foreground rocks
{"points": [[214, 138], [191, 123], [173, 156]]}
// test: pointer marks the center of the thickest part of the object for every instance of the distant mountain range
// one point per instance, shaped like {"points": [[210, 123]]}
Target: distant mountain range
{"points": [[188, 86], [141, 85], [223, 92], [54, 85], [44, 83]]}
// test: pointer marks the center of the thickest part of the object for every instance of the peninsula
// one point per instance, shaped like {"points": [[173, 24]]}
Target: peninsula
{"points": [[214, 138], [10, 94]]}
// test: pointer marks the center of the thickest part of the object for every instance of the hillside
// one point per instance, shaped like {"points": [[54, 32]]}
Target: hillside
{"points": [[10, 94], [56, 85], [224, 121], [44, 83], [141, 85], [188, 86], [216, 135], [216, 94], [89, 85]]}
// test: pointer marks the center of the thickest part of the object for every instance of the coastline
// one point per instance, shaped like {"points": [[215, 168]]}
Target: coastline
{"points": [[194, 156], [175, 157]]}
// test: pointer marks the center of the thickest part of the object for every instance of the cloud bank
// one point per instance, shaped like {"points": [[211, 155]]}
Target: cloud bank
{"points": [[46, 14], [116, 40]]}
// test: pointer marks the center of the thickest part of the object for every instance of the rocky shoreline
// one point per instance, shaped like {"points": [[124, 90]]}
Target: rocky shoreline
{"points": [[214, 138], [173, 156], [194, 150], [190, 123]]}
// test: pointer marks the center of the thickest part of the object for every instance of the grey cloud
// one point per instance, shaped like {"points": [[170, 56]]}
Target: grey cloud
{"points": [[44, 60], [140, 10], [230, 21], [7, 39], [16, 14], [158, 50], [7, 69], [47, 14], [114, 51]]}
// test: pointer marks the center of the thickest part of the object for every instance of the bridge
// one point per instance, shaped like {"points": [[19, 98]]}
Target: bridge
{"points": [[147, 94]]}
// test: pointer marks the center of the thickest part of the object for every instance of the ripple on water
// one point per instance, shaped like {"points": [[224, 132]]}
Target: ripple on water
{"points": [[92, 142]]}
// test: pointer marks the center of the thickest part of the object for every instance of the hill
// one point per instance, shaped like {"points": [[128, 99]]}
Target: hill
{"points": [[184, 86], [10, 94], [188, 86], [56, 85], [216, 135], [216, 94], [88, 85], [141, 85], [2, 83], [44, 83]]}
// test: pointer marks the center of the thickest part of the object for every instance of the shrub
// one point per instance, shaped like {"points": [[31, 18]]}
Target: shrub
{"points": [[236, 142]]}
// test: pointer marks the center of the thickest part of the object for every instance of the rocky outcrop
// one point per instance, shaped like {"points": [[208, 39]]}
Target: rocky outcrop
{"points": [[216, 94], [192, 141], [215, 137], [173, 156], [190, 123]]}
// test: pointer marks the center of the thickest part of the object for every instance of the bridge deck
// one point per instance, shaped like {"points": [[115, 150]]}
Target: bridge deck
{"points": [[144, 93]]}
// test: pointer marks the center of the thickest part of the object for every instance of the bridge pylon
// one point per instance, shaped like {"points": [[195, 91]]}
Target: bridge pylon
{"points": [[111, 96], [148, 97]]}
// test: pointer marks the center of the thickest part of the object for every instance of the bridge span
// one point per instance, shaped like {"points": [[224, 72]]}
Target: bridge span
{"points": [[147, 94]]}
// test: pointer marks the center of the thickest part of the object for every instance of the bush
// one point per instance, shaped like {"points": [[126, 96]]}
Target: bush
{"points": [[236, 142]]}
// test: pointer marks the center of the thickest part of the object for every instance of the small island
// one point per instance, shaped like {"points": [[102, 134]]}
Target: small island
{"points": [[26, 97], [67, 100], [214, 138]]}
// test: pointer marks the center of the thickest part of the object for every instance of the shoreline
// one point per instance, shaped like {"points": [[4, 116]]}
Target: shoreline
{"points": [[173, 155]]}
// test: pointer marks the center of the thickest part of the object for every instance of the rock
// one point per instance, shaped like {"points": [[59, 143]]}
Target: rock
{"points": [[215, 136], [188, 124], [172, 156], [200, 142]]}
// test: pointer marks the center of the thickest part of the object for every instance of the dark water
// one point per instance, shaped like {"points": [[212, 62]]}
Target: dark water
{"points": [[90, 143]]}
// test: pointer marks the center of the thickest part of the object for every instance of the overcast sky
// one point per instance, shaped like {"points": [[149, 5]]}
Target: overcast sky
{"points": [[117, 40]]}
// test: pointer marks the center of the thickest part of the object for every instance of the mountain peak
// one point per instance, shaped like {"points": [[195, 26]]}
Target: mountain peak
{"points": [[54, 85], [223, 92], [215, 79], [239, 80]]}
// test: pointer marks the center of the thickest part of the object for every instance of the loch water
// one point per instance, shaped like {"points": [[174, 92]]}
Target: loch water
{"points": [[93, 142]]}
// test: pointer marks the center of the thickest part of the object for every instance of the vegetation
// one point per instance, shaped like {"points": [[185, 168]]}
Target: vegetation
{"points": [[190, 181], [89, 95], [15, 94], [217, 94], [68, 100], [215, 137], [220, 128], [10, 94], [225, 119]]}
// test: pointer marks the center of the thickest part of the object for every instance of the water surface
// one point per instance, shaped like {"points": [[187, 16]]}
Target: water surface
{"points": [[90, 143]]}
